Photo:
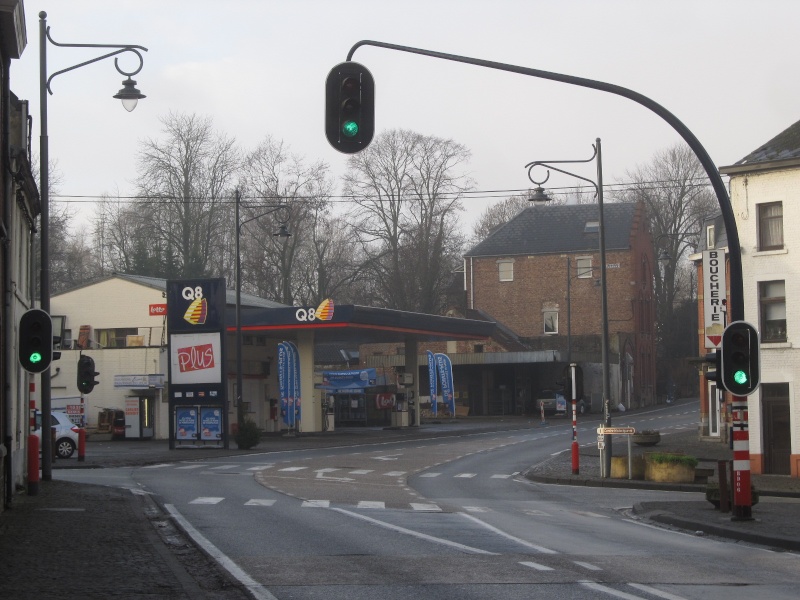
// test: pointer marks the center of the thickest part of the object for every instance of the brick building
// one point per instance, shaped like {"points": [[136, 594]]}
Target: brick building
{"points": [[538, 277]]}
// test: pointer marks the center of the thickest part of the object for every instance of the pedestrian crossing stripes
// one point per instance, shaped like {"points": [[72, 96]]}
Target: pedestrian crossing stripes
{"points": [[429, 507], [319, 473]]}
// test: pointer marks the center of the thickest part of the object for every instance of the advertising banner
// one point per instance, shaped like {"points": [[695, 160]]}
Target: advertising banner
{"points": [[446, 378], [355, 379], [195, 358], [283, 380], [432, 381], [210, 424], [295, 380], [185, 423]]}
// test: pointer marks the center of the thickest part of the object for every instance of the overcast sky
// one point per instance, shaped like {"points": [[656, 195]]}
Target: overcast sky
{"points": [[728, 69]]}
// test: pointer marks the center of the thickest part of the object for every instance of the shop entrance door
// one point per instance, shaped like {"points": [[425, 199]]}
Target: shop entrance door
{"points": [[777, 441]]}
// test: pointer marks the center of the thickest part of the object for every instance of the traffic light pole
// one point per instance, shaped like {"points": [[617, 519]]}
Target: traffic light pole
{"points": [[736, 308], [742, 494]]}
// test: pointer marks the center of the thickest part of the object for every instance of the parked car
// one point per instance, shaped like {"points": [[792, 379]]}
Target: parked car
{"points": [[66, 433], [552, 401]]}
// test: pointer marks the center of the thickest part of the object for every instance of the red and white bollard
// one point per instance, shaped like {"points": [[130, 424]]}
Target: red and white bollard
{"points": [[81, 444], [742, 494]]}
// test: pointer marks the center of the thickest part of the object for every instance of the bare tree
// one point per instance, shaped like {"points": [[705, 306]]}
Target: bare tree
{"points": [[407, 191], [675, 189], [185, 185], [274, 176]]}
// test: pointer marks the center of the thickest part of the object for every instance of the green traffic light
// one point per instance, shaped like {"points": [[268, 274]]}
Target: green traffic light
{"points": [[35, 357], [350, 128], [740, 377]]}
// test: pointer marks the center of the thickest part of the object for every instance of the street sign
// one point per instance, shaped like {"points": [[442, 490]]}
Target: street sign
{"points": [[616, 430]]}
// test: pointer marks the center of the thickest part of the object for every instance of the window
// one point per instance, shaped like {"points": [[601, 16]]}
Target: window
{"points": [[506, 270], [770, 226], [591, 227], [115, 338], [711, 239], [772, 305], [584, 267], [550, 321]]}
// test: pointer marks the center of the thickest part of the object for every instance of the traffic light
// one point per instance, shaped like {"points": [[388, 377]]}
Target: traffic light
{"points": [[741, 370], [349, 107], [35, 343], [714, 369], [86, 374]]}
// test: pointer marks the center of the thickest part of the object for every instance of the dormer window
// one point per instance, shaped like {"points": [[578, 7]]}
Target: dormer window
{"points": [[591, 227]]}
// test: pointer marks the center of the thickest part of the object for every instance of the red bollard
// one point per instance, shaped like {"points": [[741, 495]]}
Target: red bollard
{"points": [[33, 465], [81, 444]]}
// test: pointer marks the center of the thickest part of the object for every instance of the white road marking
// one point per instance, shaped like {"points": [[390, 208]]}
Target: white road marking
{"points": [[255, 588], [370, 504], [608, 590], [191, 467], [161, 466], [395, 473], [223, 467], [502, 533], [501, 476], [536, 566], [259, 502], [292, 469], [430, 474], [586, 565], [260, 467], [477, 509], [426, 507], [466, 475], [315, 504], [589, 514], [360, 472], [386, 457], [207, 500], [417, 534], [656, 592]]}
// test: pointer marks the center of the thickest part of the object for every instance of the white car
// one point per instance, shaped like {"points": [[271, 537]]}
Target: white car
{"points": [[66, 433]]}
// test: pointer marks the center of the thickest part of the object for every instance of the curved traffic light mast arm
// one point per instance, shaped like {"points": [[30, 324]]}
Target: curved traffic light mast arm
{"points": [[734, 254]]}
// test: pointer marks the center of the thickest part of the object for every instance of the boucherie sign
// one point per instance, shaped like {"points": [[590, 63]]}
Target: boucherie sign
{"points": [[714, 296]]}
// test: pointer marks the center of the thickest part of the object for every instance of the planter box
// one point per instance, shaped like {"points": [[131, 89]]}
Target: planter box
{"points": [[646, 439], [669, 472], [619, 467]]}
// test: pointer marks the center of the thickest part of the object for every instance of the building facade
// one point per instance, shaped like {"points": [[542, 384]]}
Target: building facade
{"points": [[20, 210], [538, 277], [765, 195]]}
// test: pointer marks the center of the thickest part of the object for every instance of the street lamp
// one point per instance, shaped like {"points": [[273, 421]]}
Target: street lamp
{"points": [[282, 233], [598, 186], [129, 96]]}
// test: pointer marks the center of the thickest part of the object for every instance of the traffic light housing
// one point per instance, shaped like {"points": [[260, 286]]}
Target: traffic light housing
{"points": [[349, 107], [86, 374], [741, 360], [714, 368], [35, 341]]}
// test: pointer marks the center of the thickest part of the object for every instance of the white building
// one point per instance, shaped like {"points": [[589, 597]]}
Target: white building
{"points": [[765, 195], [120, 321]]}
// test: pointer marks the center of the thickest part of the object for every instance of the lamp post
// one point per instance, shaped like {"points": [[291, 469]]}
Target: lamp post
{"points": [[598, 186], [240, 416], [129, 96]]}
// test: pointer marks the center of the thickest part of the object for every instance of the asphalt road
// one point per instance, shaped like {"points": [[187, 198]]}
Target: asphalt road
{"points": [[448, 517]]}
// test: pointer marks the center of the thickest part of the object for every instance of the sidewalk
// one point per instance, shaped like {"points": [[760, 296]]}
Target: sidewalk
{"points": [[776, 517]]}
